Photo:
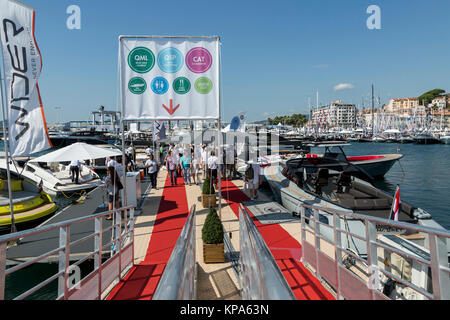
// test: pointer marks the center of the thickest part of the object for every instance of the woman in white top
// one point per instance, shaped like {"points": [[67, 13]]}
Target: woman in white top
{"points": [[195, 168]]}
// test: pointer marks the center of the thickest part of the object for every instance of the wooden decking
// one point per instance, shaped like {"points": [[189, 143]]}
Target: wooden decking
{"points": [[214, 281]]}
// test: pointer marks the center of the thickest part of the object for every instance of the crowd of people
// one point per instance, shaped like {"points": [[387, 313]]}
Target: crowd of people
{"points": [[188, 161]]}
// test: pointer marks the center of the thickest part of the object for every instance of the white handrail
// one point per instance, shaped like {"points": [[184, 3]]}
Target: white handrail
{"points": [[438, 261], [65, 290], [178, 281], [261, 278]]}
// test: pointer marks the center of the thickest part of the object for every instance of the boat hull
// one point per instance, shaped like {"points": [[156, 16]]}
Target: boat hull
{"points": [[24, 218], [378, 166], [445, 140], [426, 140]]}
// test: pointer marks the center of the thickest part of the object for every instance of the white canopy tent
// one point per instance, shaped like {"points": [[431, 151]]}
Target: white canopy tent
{"points": [[392, 131], [78, 151]]}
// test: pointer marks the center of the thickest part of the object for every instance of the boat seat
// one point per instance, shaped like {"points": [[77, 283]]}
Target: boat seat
{"points": [[18, 197], [359, 195], [344, 180], [365, 204], [320, 180], [374, 193], [406, 208]]}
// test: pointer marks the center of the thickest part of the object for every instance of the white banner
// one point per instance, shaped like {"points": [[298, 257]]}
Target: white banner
{"points": [[169, 78], [22, 66]]}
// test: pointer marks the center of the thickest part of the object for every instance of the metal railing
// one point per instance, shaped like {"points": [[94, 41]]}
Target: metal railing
{"points": [[93, 285], [261, 278], [179, 280], [365, 284]]}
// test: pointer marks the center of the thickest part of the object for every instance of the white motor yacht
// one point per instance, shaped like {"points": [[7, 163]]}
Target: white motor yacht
{"points": [[55, 177]]}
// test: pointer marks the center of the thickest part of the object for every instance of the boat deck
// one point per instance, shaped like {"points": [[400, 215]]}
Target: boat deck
{"points": [[163, 216]]}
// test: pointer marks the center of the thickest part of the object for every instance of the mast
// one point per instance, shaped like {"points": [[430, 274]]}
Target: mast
{"points": [[310, 111], [317, 109], [373, 114]]}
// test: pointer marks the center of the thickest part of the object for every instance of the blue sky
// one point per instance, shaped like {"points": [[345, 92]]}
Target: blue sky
{"points": [[275, 54]]}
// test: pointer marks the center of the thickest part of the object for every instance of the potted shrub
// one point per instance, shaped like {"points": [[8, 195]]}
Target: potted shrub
{"points": [[212, 236], [208, 194]]}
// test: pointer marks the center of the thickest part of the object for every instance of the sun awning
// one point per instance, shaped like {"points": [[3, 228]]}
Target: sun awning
{"points": [[78, 151]]}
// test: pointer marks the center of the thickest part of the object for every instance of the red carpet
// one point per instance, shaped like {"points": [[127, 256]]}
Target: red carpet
{"points": [[142, 280], [284, 248]]}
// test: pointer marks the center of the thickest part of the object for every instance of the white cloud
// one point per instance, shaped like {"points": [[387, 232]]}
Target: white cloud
{"points": [[343, 86]]}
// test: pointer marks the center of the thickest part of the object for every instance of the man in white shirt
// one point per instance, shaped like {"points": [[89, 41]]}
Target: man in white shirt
{"points": [[213, 164], [255, 181], [117, 166], [152, 167], [75, 170], [148, 151], [110, 162]]}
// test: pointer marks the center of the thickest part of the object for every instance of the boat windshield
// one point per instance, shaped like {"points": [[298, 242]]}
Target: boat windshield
{"points": [[313, 165], [335, 152]]}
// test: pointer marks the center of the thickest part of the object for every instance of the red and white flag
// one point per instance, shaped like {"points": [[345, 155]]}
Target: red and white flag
{"points": [[396, 205], [22, 67]]}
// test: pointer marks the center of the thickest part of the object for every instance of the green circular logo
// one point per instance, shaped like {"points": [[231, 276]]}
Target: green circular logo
{"points": [[181, 85], [203, 85], [137, 85], [141, 60]]}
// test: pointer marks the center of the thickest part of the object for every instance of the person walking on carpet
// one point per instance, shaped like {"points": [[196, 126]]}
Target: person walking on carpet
{"points": [[171, 166], [185, 163], [152, 167]]}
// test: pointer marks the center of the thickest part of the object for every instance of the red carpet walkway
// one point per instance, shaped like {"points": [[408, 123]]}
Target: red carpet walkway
{"points": [[142, 280], [284, 248]]}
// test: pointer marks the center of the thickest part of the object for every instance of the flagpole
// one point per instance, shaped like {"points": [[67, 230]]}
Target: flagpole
{"points": [[122, 127], [220, 134], [7, 158]]}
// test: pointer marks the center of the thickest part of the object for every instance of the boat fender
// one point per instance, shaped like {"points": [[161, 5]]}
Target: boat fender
{"points": [[421, 214], [81, 199]]}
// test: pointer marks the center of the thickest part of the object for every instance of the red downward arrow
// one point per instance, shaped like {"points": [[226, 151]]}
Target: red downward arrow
{"points": [[171, 111]]}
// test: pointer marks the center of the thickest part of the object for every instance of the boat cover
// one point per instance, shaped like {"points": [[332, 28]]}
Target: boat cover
{"points": [[18, 197]]}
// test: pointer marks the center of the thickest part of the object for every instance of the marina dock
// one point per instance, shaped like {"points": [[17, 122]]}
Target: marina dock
{"points": [[161, 221], [37, 245]]}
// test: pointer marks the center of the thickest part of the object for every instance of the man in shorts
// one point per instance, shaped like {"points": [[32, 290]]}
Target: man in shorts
{"points": [[252, 176]]}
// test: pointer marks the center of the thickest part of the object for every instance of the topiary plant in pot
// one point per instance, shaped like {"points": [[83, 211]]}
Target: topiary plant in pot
{"points": [[212, 236], [208, 194]]}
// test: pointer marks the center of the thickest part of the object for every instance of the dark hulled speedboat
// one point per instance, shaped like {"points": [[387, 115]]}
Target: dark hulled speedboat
{"points": [[426, 139], [376, 166]]}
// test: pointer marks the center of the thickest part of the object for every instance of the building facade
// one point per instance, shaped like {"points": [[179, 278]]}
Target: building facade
{"points": [[337, 115], [402, 106]]}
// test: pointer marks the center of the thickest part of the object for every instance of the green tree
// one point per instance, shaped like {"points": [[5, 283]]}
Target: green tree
{"points": [[296, 120], [429, 96]]}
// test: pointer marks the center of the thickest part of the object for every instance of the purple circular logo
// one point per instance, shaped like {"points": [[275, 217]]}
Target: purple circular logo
{"points": [[198, 60]]}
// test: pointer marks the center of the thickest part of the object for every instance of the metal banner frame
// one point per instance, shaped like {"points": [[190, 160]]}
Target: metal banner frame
{"points": [[219, 135]]}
